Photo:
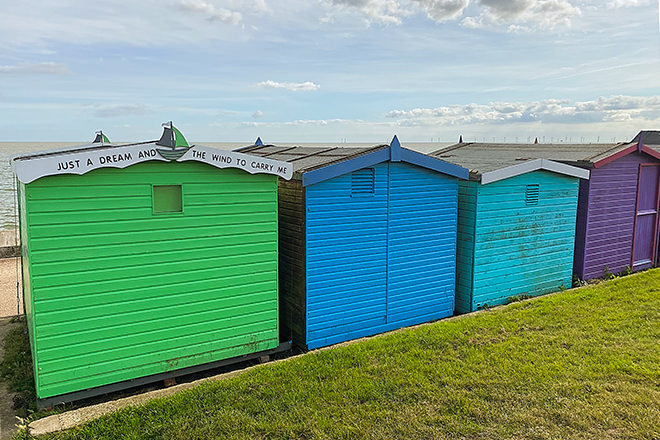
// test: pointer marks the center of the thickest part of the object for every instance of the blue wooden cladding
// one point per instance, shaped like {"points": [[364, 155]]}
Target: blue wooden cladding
{"points": [[381, 261], [367, 241]]}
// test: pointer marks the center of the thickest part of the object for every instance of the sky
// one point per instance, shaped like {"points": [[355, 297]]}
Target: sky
{"points": [[330, 70]]}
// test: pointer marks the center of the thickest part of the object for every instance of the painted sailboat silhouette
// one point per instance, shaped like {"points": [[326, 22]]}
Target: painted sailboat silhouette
{"points": [[173, 139], [100, 138]]}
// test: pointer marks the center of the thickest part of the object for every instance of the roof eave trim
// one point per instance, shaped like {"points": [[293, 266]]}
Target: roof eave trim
{"points": [[433, 163], [81, 162], [533, 165], [345, 167], [384, 155], [626, 151]]}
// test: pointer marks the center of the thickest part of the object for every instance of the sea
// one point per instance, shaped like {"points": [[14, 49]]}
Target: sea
{"points": [[8, 210]]}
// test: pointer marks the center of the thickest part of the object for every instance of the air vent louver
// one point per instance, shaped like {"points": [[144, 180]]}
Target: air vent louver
{"points": [[532, 195], [363, 182]]}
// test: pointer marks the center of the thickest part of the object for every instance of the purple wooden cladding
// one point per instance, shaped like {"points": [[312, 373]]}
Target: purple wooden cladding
{"points": [[607, 209], [581, 227], [646, 217]]}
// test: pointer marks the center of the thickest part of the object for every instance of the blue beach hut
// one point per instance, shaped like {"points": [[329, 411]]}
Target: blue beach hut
{"points": [[516, 224], [367, 240]]}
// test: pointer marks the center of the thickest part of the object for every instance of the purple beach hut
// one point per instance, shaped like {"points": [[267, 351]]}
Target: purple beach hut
{"points": [[617, 223]]}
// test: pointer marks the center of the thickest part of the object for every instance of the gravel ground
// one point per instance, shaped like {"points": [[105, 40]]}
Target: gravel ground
{"points": [[8, 277]]}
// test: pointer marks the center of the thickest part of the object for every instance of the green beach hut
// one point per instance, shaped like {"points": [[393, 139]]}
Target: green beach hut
{"points": [[145, 261]]}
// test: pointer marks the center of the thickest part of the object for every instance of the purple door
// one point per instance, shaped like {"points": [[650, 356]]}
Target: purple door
{"points": [[646, 217]]}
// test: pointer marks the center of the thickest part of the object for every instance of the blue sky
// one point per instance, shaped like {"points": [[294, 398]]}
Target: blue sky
{"points": [[328, 70]]}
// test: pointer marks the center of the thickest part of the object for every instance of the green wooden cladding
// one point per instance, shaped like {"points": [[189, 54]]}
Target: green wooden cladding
{"points": [[115, 291]]}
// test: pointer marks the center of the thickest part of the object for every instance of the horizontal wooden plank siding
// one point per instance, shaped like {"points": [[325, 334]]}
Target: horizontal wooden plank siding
{"points": [[346, 259], [524, 243], [467, 214], [121, 292], [423, 207], [581, 228], [382, 260], [611, 216]]}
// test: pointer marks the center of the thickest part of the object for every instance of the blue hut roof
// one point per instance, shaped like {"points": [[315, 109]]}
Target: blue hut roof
{"points": [[317, 164]]}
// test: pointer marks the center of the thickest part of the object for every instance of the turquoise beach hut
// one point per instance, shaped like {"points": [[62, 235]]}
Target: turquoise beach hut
{"points": [[516, 224], [367, 240]]}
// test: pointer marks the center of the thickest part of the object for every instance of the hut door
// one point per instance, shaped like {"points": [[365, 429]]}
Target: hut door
{"points": [[421, 258], [646, 216]]}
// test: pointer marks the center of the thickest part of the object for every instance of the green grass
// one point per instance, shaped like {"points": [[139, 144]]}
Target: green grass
{"points": [[16, 369], [580, 364]]}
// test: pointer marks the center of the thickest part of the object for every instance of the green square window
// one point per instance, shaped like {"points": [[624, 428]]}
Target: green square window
{"points": [[167, 198]]}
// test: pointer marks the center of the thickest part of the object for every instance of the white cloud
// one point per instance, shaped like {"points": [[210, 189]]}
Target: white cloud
{"points": [[258, 114], [144, 23], [620, 102], [524, 15], [473, 22], [210, 11], [616, 4], [602, 109], [516, 29], [260, 6], [303, 123], [48, 68], [306, 86], [443, 10], [384, 11], [150, 23]]}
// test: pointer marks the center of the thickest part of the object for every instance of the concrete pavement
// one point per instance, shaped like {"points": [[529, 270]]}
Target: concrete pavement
{"points": [[10, 274]]}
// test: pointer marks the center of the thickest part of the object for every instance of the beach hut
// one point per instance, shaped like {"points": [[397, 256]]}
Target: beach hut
{"points": [[516, 224], [367, 240], [145, 261], [617, 222], [617, 225]]}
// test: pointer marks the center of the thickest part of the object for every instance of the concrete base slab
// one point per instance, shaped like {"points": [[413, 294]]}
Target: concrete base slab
{"points": [[70, 419]]}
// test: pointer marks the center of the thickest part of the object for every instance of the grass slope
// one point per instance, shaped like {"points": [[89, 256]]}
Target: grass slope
{"points": [[16, 369], [582, 364]]}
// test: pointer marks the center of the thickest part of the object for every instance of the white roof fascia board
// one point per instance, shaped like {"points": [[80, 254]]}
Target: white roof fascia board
{"points": [[562, 168], [533, 165], [83, 160]]}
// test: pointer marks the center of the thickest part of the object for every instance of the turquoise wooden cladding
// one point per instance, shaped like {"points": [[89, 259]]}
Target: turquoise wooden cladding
{"points": [[515, 237], [378, 260]]}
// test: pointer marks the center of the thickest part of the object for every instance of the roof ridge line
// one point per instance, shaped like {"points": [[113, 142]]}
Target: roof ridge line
{"points": [[450, 148]]}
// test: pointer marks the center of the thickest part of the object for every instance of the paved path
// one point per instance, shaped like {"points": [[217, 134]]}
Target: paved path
{"points": [[8, 277], [9, 243], [8, 238]]}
